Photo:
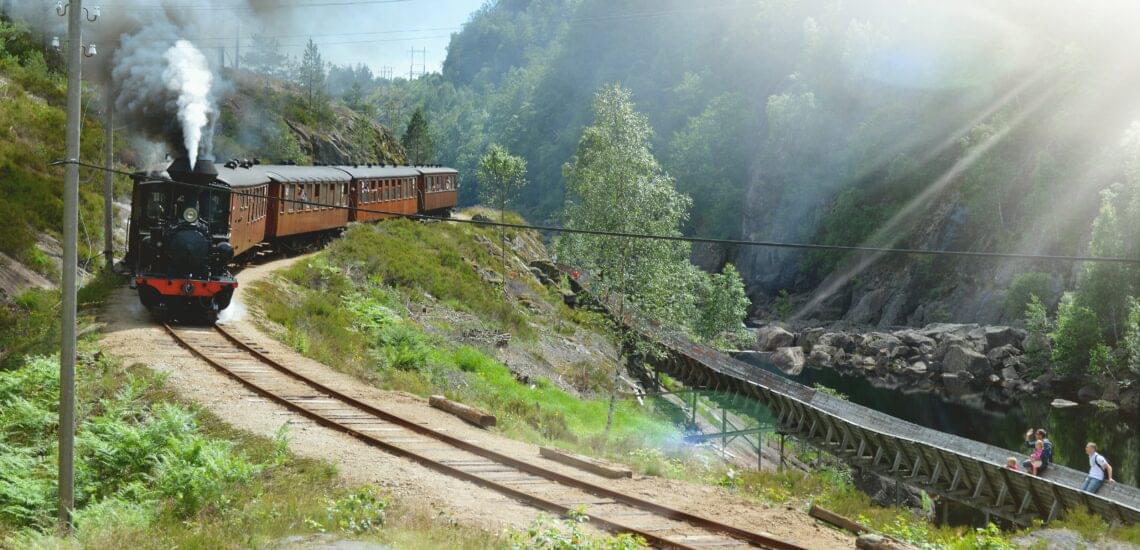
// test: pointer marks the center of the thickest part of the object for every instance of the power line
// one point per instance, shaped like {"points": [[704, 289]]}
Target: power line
{"points": [[648, 236], [245, 8]]}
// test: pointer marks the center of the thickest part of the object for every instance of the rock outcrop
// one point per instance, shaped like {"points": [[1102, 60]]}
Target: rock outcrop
{"points": [[995, 363], [772, 338]]}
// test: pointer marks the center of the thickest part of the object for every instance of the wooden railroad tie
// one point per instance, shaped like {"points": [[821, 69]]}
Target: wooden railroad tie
{"points": [[586, 463], [468, 413]]}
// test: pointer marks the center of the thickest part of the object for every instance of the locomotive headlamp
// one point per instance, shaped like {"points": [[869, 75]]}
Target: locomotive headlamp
{"points": [[190, 215]]}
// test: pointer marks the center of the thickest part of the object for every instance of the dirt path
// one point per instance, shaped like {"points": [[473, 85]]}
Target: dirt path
{"points": [[131, 335]]}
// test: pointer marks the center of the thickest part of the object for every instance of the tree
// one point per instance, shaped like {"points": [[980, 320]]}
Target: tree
{"points": [[616, 185], [722, 304], [1131, 340], [313, 74], [501, 175], [1077, 336], [417, 140], [265, 57]]}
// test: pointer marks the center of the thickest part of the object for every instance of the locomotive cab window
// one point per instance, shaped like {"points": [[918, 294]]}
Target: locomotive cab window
{"points": [[155, 207]]}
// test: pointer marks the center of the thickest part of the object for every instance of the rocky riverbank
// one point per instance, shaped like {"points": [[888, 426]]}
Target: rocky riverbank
{"points": [[960, 361]]}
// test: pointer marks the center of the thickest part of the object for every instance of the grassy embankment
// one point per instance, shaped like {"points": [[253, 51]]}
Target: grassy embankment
{"points": [[354, 307], [32, 101], [155, 472], [349, 308]]}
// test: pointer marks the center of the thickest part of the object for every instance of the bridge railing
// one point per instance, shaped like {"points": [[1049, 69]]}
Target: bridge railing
{"points": [[951, 466]]}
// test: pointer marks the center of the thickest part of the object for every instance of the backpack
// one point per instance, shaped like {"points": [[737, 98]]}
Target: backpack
{"points": [[1103, 469]]}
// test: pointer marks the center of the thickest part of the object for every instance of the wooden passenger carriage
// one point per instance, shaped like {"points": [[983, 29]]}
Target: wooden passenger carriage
{"points": [[380, 192], [439, 189]]}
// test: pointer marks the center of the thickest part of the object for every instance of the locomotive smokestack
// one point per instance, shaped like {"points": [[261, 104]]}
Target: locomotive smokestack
{"points": [[203, 173]]}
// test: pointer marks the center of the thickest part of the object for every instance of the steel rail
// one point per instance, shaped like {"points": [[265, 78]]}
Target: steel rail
{"points": [[756, 539]]}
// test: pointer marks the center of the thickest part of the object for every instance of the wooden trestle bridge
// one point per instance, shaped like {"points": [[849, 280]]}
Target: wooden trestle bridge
{"points": [[950, 466]]}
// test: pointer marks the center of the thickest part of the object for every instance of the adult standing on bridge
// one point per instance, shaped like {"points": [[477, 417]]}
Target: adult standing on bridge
{"points": [[1031, 439], [1099, 470]]}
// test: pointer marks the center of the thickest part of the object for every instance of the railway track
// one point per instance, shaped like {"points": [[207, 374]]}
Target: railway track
{"points": [[524, 481]]}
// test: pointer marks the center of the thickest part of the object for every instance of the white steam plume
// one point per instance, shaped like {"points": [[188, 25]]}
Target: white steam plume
{"points": [[188, 75]]}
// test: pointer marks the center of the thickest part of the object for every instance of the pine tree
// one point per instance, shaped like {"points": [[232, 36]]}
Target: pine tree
{"points": [[417, 140], [313, 74]]}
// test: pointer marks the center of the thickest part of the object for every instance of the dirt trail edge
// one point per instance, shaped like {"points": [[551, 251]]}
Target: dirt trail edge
{"points": [[132, 335]]}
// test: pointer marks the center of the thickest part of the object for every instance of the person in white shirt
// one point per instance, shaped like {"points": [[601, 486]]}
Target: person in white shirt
{"points": [[1099, 470]]}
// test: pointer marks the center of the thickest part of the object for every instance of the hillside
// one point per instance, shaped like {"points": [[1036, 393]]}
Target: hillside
{"points": [[808, 122], [263, 117], [32, 98]]}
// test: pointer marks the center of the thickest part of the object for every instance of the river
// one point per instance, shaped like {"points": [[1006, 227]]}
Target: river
{"points": [[1069, 429]]}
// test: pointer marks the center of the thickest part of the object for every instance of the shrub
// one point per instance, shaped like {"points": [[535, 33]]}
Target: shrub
{"points": [[1077, 334], [1024, 288], [361, 512], [568, 534]]}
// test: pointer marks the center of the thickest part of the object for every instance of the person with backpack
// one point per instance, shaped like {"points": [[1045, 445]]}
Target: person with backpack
{"points": [[1099, 470], [1031, 439]]}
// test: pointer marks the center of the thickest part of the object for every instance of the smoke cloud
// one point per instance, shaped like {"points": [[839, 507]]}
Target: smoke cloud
{"points": [[163, 86], [189, 77]]}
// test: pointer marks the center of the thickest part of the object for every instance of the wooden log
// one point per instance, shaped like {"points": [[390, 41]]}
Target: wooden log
{"points": [[837, 520], [586, 463], [470, 414]]}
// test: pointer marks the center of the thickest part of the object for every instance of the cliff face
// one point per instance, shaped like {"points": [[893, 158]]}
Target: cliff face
{"points": [[887, 290]]}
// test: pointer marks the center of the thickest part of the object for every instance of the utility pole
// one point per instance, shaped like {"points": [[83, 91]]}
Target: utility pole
{"points": [[109, 182], [423, 65], [237, 47], [69, 267]]}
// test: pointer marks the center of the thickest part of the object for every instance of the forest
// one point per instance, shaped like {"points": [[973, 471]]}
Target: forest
{"points": [[995, 128]]}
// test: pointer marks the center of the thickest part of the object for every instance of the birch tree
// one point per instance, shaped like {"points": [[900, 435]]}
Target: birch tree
{"points": [[501, 175], [615, 184]]}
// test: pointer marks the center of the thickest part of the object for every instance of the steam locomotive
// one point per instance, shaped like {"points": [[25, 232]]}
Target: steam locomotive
{"points": [[188, 224]]}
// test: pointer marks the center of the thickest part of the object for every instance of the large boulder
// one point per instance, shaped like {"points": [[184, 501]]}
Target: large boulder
{"points": [[915, 339], [838, 340], [810, 337], [772, 338], [999, 354], [960, 358], [997, 337], [939, 330], [790, 360], [880, 343], [823, 356]]}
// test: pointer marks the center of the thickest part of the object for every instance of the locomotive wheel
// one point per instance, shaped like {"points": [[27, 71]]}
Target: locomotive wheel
{"points": [[150, 297]]}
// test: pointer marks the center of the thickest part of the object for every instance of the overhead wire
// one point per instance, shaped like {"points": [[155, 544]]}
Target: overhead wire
{"points": [[628, 235]]}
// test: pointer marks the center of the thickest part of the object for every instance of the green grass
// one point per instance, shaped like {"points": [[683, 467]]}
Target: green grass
{"points": [[31, 137], [155, 472], [352, 320], [441, 263]]}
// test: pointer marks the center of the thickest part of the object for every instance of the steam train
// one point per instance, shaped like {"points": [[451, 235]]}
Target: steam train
{"points": [[188, 224]]}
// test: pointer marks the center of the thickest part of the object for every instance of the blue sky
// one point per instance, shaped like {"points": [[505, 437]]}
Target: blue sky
{"points": [[381, 34]]}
